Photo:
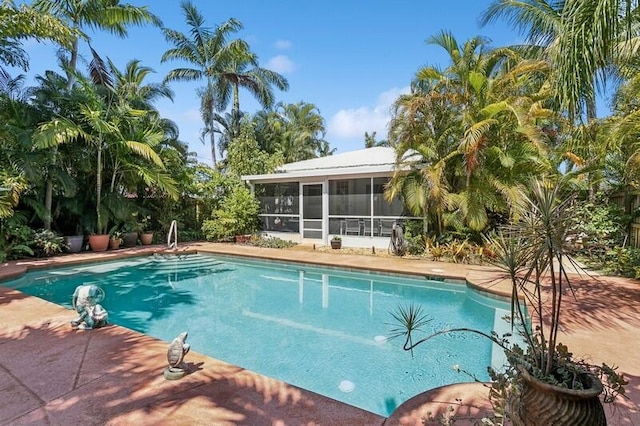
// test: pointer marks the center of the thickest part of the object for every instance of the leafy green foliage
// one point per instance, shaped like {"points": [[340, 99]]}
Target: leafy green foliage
{"points": [[237, 215], [46, 243], [270, 242], [414, 244], [245, 157], [598, 224], [15, 237], [623, 261]]}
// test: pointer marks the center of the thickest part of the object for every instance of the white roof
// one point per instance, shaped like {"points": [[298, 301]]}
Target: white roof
{"points": [[376, 160]]}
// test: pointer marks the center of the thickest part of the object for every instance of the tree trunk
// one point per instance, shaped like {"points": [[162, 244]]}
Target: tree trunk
{"points": [[48, 201], [592, 133], [236, 111], [99, 188], [73, 61]]}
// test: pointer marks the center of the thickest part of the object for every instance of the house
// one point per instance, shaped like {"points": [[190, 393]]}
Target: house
{"points": [[310, 201]]}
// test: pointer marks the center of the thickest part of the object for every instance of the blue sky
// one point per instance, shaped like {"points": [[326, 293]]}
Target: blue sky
{"points": [[351, 58]]}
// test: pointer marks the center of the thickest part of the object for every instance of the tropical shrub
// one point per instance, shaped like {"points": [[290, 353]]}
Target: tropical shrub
{"points": [[270, 242], [622, 261], [14, 238], [599, 225], [237, 215], [414, 244], [46, 243]]}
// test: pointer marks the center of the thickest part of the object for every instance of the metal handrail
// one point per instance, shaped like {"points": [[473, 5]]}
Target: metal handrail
{"points": [[173, 231]]}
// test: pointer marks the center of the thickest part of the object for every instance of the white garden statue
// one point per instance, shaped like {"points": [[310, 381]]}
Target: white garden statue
{"points": [[86, 302]]}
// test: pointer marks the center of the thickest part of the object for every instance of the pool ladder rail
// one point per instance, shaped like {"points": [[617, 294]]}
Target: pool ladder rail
{"points": [[173, 232]]}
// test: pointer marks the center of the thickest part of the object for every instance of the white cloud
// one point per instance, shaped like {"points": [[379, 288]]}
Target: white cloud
{"points": [[281, 64], [283, 44], [354, 122]]}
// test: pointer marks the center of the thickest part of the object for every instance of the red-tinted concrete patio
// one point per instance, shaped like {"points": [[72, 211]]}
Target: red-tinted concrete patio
{"points": [[53, 375]]}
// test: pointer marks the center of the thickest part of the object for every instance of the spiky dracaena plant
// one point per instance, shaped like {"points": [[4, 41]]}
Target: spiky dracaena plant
{"points": [[531, 253]]}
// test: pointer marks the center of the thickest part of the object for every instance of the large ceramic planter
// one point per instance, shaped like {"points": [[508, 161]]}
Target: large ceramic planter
{"points": [[74, 243], [99, 242], [543, 404], [129, 239], [146, 238]]}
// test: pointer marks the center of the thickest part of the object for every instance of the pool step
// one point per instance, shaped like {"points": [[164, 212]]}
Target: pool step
{"points": [[182, 267]]}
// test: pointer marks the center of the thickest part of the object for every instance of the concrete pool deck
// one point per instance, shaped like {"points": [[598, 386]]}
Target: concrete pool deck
{"points": [[53, 375]]}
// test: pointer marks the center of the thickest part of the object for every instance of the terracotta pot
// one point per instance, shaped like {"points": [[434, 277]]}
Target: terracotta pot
{"points": [[146, 238], [99, 242], [74, 243], [114, 244], [336, 244], [129, 239], [242, 239], [541, 404]]}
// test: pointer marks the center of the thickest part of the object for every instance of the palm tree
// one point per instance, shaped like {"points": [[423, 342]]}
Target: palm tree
{"points": [[130, 85], [593, 32], [226, 129], [107, 15], [303, 132], [108, 125], [370, 140], [21, 22], [208, 51], [579, 38], [424, 130], [464, 128], [269, 127], [243, 71], [133, 93], [21, 168]]}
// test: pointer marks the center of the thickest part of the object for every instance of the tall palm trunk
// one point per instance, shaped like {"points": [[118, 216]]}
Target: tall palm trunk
{"points": [[236, 110], [208, 117], [99, 188], [48, 195], [48, 202], [212, 141], [73, 62], [592, 134]]}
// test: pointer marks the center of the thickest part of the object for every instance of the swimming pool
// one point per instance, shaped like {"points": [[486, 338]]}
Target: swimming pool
{"points": [[321, 329]]}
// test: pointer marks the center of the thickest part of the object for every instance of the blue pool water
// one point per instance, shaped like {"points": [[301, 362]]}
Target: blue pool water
{"points": [[316, 328]]}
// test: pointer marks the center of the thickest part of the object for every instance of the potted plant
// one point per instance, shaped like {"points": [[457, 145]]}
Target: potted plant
{"points": [[115, 240], [129, 235], [336, 242], [74, 243], [543, 383], [146, 234], [98, 242]]}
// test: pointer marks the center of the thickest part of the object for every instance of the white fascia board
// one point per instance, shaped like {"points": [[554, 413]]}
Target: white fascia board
{"points": [[383, 170]]}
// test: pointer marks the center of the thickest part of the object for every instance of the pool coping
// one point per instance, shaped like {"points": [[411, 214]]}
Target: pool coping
{"points": [[305, 408]]}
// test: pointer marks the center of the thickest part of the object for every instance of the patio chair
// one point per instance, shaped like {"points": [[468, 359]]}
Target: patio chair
{"points": [[366, 226], [385, 227], [351, 227]]}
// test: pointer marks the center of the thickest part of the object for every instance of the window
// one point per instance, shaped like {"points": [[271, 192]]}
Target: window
{"points": [[381, 207], [350, 197], [278, 198], [279, 206]]}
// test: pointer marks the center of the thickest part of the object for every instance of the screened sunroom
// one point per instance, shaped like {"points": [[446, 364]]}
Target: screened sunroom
{"points": [[313, 200]]}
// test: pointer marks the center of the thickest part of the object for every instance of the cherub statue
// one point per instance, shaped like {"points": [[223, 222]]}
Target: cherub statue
{"points": [[175, 355], [86, 302]]}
